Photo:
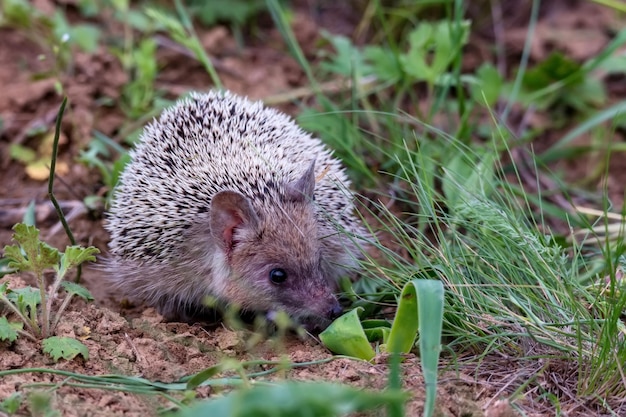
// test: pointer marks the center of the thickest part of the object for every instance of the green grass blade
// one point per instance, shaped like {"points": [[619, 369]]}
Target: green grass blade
{"points": [[420, 307], [594, 121]]}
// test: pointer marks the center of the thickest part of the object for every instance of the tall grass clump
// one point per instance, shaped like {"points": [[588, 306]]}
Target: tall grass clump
{"points": [[454, 202], [514, 288]]}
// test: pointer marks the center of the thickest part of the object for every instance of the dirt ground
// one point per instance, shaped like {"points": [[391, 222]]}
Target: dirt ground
{"points": [[137, 341]]}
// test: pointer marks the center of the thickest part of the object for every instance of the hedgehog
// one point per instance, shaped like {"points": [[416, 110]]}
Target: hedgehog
{"points": [[228, 199]]}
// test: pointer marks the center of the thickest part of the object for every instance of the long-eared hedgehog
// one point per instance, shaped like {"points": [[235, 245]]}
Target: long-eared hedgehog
{"points": [[224, 197]]}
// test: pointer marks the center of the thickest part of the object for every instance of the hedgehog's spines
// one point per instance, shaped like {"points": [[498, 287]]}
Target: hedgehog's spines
{"points": [[206, 144]]}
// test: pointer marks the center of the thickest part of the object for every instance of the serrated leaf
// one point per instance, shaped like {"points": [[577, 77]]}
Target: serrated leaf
{"points": [[16, 258], [76, 255], [39, 255], [64, 347], [8, 331], [76, 289]]}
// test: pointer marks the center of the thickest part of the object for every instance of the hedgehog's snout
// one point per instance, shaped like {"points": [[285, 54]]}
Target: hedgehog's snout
{"points": [[335, 311]]}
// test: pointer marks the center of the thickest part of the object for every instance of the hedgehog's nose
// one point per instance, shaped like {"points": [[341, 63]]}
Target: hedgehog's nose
{"points": [[335, 311]]}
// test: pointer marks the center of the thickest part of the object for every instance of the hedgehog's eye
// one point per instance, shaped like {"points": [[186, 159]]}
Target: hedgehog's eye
{"points": [[278, 275]]}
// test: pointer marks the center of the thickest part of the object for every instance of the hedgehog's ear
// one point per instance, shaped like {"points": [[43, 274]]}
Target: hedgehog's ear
{"points": [[302, 189], [230, 210]]}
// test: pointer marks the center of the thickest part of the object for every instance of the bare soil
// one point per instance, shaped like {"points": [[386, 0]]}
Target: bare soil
{"points": [[136, 341]]}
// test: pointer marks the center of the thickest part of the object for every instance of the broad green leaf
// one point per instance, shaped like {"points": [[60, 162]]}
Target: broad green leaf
{"points": [[77, 289], [376, 330], [414, 61], [8, 331], [345, 336], [64, 347], [291, 398]]}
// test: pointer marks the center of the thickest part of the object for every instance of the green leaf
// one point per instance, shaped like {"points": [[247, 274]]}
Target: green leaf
{"points": [[200, 377], [18, 12], [5, 268], [235, 11], [77, 289], [384, 62], [87, 37], [590, 93], [26, 299], [64, 347], [38, 255], [12, 403], [30, 215], [22, 153], [347, 60], [40, 404], [291, 398], [432, 47], [489, 86], [556, 67], [170, 24], [76, 255], [346, 336], [8, 331]]}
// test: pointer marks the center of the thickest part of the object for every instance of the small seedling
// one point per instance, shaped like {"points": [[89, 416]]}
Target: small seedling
{"points": [[34, 306]]}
